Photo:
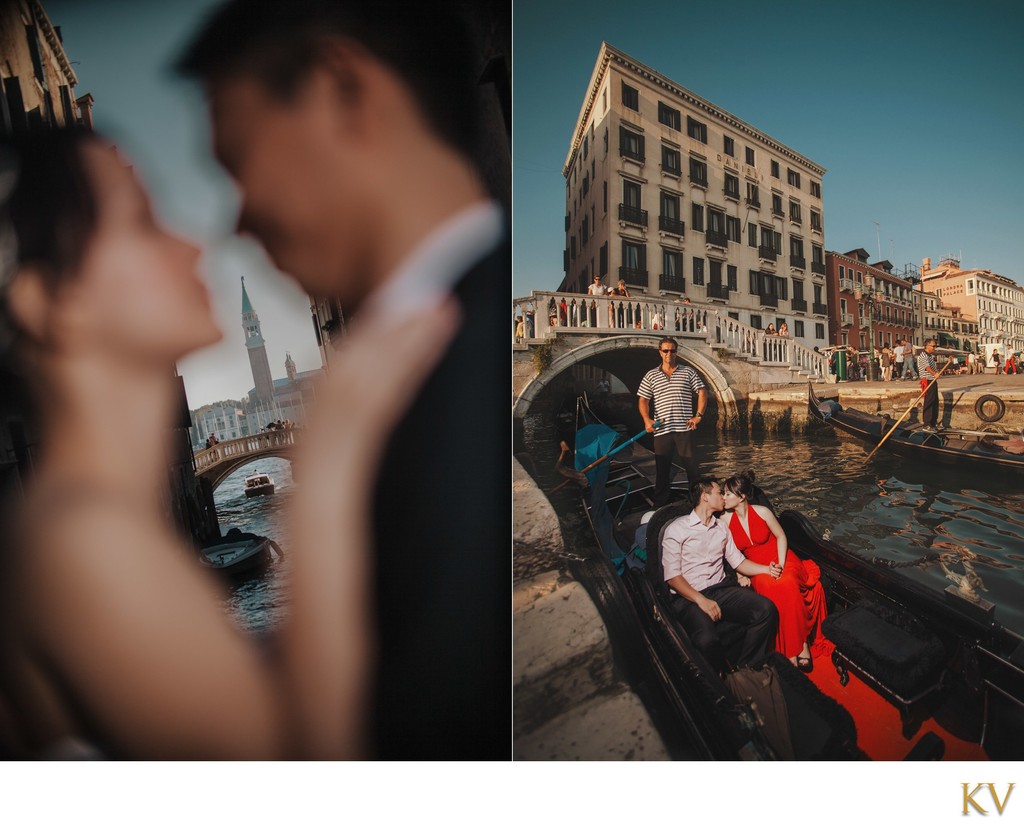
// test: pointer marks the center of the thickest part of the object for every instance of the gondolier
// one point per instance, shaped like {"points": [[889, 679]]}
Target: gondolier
{"points": [[671, 387], [928, 371]]}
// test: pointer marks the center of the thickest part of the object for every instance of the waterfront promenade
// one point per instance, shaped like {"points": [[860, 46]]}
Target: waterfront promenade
{"points": [[786, 407]]}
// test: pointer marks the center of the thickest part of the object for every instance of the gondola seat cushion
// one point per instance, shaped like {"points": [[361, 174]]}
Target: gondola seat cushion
{"points": [[894, 648]]}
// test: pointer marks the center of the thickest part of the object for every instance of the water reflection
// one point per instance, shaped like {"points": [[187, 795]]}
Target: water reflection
{"points": [[925, 519]]}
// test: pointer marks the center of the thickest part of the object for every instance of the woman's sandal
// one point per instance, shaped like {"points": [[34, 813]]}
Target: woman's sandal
{"points": [[805, 664]]}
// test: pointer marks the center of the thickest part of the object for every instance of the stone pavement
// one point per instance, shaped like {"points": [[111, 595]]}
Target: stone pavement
{"points": [[568, 701]]}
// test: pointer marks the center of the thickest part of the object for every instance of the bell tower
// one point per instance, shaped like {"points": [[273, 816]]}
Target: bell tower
{"points": [[257, 351]]}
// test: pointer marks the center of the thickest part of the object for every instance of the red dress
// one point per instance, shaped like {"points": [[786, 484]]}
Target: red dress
{"points": [[797, 593]]}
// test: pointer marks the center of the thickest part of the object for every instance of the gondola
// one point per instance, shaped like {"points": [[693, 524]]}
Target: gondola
{"points": [[237, 553], [946, 447], [916, 674]]}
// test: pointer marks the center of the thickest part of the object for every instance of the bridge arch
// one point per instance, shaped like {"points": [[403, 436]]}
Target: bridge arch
{"points": [[217, 475], [703, 364]]}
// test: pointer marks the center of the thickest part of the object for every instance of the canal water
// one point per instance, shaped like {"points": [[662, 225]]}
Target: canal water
{"points": [[258, 603], [924, 518]]}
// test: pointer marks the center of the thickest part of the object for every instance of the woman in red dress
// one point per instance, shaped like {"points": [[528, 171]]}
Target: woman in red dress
{"points": [[797, 593]]}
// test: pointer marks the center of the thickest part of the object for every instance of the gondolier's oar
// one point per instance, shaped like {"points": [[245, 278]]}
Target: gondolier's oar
{"points": [[911, 407], [610, 453]]}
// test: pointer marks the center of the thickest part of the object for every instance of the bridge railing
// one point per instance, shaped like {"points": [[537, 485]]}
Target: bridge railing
{"points": [[546, 314], [235, 448]]}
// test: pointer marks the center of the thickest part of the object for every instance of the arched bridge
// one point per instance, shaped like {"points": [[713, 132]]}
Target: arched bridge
{"points": [[223, 459], [620, 336]]}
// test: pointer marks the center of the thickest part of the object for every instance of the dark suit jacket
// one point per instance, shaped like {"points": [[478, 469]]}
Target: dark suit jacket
{"points": [[443, 531]]}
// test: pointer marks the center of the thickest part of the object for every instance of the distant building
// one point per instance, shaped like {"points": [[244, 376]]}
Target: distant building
{"points": [[37, 76], [273, 399], [223, 419], [994, 302], [678, 197], [869, 304]]}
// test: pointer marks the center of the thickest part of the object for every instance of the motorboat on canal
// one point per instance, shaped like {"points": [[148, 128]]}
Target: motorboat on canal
{"points": [[916, 673], [959, 448], [237, 553], [258, 485]]}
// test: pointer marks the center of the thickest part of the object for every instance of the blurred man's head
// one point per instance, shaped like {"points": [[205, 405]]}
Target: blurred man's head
{"points": [[329, 116]]}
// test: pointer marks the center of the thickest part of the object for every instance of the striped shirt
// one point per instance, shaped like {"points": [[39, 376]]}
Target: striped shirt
{"points": [[927, 368], [673, 397]]}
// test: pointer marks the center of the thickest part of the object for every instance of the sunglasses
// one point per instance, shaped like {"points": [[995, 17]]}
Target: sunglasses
{"points": [[666, 351]]}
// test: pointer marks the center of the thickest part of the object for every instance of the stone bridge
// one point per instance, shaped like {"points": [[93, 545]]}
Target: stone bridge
{"points": [[220, 461], [621, 336]]}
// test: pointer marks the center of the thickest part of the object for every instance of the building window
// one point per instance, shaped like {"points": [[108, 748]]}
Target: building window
{"points": [[606, 142], [793, 178], [671, 162], [752, 195], [842, 272], [604, 203], [630, 97], [729, 146], [794, 212], [819, 331], [696, 130], [798, 328], [671, 263], [631, 145], [634, 262], [586, 184], [669, 219], [731, 274], [755, 321], [775, 168], [815, 220], [586, 146], [602, 259], [697, 217], [732, 228], [732, 186], [798, 289], [698, 172], [698, 270], [749, 155], [815, 189], [777, 205], [669, 116], [752, 235]]}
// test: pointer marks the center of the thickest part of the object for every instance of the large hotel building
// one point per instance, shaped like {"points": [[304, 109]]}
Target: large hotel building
{"points": [[680, 198]]}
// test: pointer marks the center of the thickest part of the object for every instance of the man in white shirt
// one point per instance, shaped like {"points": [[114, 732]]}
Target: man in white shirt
{"points": [[694, 550], [897, 357], [597, 288], [354, 149]]}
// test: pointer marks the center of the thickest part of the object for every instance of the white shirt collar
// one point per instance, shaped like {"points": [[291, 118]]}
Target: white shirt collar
{"points": [[430, 272]]}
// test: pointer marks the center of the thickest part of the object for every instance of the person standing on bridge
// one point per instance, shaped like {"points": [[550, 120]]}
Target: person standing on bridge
{"points": [[671, 388]]}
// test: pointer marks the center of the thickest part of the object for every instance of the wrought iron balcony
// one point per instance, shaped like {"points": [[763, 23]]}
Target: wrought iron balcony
{"points": [[766, 251], [718, 291], [754, 202], [732, 193], [818, 267], [797, 261], [631, 153], [633, 275], [795, 217], [819, 308], [777, 211], [769, 300], [699, 180], [672, 225], [632, 214], [676, 284], [716, 237], [799, 305]]}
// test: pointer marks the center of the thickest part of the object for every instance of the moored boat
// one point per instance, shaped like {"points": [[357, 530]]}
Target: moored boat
{"points": [[237, 553], [970, 448], [258, 484], [917, 673]]}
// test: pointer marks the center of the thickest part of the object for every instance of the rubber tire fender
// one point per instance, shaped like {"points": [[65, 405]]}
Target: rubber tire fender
{"points": [[979, 408]]}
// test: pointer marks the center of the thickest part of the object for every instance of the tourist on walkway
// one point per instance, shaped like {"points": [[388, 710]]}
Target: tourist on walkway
{"points": [[115, 643], [972, 363], [897, 357], [886, 361], [671, 388], [997, 361], [928, 371]]}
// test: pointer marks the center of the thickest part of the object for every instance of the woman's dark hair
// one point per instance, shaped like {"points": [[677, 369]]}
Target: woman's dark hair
{"points": [[52, 208], [742, 484]]}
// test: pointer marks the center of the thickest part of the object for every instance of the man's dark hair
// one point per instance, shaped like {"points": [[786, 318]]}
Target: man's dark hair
{"points": [[672, 340], [429, 45], [700, 487]]}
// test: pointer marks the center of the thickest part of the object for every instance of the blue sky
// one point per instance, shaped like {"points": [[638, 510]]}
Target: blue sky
{"points": [[913, 108], [121, 51]]}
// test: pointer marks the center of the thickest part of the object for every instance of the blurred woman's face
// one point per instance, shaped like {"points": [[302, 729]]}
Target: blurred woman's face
{"points": [[731, 499], [136, 292]]}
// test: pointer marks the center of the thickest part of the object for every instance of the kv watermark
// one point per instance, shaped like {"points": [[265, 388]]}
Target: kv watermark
{"points": [[974, 799]]}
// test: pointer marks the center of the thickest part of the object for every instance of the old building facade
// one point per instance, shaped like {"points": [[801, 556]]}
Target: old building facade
{"points": [[679, 198], [870, 305]]}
